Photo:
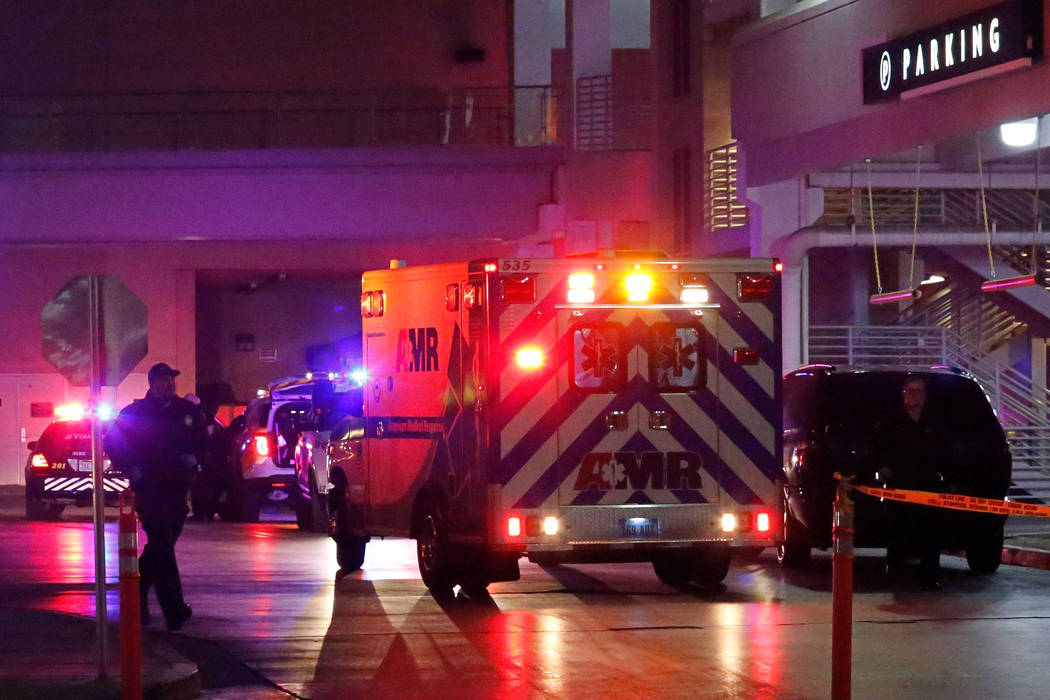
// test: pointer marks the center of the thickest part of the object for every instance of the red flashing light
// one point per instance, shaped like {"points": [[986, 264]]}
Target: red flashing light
{"points": [[745, 356], [778, 266], [1009, 283], [490, 267], [518, 289], [762, 522], [278, 484], [675, 266], [751, 287], [514, 526]]}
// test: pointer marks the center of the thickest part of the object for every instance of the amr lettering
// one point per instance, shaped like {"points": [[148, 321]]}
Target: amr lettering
{"points": [[607, 471], [417, 350]]}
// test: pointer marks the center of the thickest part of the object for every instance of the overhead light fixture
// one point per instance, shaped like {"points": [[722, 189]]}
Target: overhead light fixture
{"points": [[890, 297], [934, 279], [1020, 133], [1010, 283]]}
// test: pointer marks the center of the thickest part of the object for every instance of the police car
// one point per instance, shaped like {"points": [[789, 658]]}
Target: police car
{"points": [[264, 447], [58, 470]]}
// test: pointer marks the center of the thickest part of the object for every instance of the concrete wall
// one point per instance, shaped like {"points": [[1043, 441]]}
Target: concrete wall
{"points": [[54, 46], [797, 91]]}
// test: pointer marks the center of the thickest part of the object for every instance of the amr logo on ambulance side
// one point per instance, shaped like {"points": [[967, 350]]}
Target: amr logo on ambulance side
{"points": [[608, 471], [417, 350]]}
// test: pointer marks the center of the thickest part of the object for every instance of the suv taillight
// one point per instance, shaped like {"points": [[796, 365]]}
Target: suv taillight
{"points": [[261, 443], [38, 462]]}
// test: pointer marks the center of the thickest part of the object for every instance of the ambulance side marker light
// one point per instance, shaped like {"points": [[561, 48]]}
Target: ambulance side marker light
{"points": [[529, 358], [490, 267], [728, 522], [514, 526], [778, 266]]}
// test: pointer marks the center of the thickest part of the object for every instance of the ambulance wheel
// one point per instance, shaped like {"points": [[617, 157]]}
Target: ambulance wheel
{"points": [[433, 553], [985, 553], [675, 570], [794, 551], [712, 565], [350, 552]]}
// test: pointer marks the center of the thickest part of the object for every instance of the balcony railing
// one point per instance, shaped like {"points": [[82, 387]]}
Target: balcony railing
{"points": [[474, 116]]}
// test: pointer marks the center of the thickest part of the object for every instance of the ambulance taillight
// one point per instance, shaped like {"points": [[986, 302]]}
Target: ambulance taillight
{"points": [[514, 526], [728, 522], [762, 522]]}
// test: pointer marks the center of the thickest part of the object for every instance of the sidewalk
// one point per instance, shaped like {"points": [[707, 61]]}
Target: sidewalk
{"points": [[54, 655]]}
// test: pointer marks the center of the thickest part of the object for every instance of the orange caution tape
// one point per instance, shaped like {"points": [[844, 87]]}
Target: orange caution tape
{"points": [[956, 501]]}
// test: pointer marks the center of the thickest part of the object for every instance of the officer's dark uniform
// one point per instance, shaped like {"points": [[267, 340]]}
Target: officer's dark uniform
{"points": [[916, 454], [159, 445]]}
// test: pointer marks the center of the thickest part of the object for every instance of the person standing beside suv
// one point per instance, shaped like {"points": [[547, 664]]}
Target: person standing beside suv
{"points": [[915, 455], [158, 441]]}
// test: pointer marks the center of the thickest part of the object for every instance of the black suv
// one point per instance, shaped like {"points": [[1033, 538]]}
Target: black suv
{"points": [[832, 421], [58, 471]]}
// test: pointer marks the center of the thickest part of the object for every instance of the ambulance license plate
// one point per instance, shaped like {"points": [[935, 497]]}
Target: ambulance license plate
{"points": [[639, 527]]}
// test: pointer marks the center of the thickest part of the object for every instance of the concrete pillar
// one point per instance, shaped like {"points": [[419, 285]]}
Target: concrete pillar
{"points": [[860, 286], [532, 68], [792, 301]]}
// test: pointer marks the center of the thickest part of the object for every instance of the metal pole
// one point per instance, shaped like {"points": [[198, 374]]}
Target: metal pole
{"points": [[99, 498], [842, 595]]}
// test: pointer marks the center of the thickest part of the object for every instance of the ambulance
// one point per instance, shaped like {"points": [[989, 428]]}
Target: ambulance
{"points": [[617, 407]]}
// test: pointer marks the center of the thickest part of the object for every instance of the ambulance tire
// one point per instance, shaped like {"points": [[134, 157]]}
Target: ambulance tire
{"points": [[712, 566], [433, 552], [706, 567], [794, 552], [350, 552]]}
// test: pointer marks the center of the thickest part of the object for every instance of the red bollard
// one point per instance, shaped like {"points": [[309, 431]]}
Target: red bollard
{"points": [[130, 621], [842, 595]]}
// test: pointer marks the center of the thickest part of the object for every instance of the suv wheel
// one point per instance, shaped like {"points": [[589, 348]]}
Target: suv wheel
{"points": [[794, 551], [985, 553]]}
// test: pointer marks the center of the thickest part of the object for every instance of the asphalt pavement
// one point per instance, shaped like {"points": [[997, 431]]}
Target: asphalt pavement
{"points": [[55, 655]]}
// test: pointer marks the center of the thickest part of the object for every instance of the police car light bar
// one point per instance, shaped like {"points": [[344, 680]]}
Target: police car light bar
{"points": [[1009, 283]]}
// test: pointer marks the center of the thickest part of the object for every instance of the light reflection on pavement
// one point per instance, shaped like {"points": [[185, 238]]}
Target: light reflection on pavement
{"points": [[267, 594]]}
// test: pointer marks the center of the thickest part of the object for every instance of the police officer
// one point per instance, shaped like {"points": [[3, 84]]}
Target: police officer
{"points": [[915, 456], [158, 441]]}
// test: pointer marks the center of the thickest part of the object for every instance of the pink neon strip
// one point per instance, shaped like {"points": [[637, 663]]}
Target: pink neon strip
{"points": [[996, 285], [887, 297]]}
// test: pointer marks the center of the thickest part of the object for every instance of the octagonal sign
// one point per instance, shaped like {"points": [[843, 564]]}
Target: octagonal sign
{"points": [[66, 330]]}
